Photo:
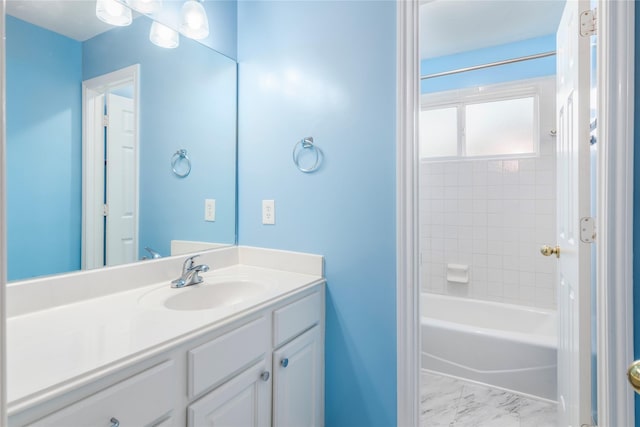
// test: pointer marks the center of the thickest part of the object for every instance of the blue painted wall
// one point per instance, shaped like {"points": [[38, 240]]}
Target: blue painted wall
{"points": [[188, 100], [44, 139], [504, 73], [327, 70]]}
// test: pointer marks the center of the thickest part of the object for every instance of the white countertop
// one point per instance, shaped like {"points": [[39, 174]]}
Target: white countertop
{"points": [[49, 348]]}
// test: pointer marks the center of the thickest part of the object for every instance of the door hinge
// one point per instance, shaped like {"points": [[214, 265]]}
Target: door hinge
{"points": [[105, 210], [105, 120], [589, 23], [587, 229]]}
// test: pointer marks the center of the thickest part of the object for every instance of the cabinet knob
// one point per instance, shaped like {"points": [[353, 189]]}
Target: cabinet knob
{"points": [[265, 376], [114, 422], [284, 362]]}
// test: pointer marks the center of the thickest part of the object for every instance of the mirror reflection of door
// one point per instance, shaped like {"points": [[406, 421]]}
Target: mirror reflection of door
{"points": [[110, 202], [120, 171]]}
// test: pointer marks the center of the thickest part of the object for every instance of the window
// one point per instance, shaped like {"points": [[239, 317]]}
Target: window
{"points": [[494, 122], [442, 137]]}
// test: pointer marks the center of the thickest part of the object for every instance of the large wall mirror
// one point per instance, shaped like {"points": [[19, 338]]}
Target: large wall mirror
{"points": [[114, 144]]}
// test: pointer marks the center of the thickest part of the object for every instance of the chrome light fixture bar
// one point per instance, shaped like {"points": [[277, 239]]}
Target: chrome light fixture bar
{"points": [[148, 7]]}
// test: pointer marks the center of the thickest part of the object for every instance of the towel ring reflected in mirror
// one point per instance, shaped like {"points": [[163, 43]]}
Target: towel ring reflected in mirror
{"points": [[181, 164], [300, 147]]}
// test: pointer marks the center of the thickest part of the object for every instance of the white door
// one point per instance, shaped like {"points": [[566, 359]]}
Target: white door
{"points": [[244, 400], [121, 198], [297, 382], [573, 203]]}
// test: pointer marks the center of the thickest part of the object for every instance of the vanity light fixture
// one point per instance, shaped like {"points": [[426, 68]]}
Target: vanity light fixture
{"points": [[149, 7], [194, 22], [163, 36], [113, 12]]}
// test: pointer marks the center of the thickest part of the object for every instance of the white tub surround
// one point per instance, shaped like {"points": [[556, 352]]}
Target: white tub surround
{"points": [[493, 215], [502, 345], [69, 331]]}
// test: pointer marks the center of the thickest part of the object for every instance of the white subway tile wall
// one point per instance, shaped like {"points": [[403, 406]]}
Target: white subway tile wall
{"points": [[492, 215]]}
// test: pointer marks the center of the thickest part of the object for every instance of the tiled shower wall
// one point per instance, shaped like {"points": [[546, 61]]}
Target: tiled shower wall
{"points": [[492, 215]]}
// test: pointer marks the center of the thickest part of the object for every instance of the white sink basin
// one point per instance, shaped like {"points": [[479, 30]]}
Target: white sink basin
{"points": [[212, 293], [206, 296]]}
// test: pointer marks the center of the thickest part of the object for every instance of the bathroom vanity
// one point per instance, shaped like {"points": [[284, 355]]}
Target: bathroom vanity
{"points": [[245, 347]]}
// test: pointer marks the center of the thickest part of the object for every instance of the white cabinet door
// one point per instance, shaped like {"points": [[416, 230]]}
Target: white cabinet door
{"points": [[244, 400], [298, 382]]}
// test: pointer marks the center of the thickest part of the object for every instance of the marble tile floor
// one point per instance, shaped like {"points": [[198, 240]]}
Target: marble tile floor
{"points": [[448, 402]]}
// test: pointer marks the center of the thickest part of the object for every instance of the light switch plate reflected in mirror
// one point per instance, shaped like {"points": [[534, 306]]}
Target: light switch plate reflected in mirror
{"points": [[210, 210]]}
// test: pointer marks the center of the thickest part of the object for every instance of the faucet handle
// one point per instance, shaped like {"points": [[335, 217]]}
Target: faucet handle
{"points": [[154, 254], [188, 263]]}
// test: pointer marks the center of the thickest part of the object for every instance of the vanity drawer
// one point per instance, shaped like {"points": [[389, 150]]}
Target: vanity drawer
{"points": [[140, 400], [220, 358], [295, 318]]}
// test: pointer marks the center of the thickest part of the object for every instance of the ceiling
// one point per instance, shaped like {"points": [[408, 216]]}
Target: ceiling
{"points": [[446, 26], [73, 18], [453, 26]]}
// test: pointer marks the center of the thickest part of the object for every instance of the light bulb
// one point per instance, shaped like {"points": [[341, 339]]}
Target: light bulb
{"points": [[163, 36], [194, 22], [113, 12]]}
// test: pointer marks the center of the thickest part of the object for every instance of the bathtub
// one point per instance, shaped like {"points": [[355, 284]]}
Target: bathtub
{"points": [[506, 346]]}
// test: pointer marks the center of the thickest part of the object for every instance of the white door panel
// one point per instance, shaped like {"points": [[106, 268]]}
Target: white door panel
{"points": [[121, 171], [573, 173]]}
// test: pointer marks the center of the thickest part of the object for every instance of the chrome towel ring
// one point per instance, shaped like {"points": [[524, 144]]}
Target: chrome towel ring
{"points": [[181, 164], [307, 144]]}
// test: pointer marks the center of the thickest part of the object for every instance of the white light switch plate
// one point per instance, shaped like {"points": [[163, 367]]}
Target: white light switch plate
{"points": [[210, 210], [268, 212]]}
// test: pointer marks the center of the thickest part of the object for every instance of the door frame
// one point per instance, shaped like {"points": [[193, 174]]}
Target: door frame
{"points": [[407, 250], [614, 222], [616, 33], [93, 91], [3, 221]]}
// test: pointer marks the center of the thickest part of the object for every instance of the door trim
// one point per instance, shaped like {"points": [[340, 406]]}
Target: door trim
{"points": [[93, 90], [3, 221], [615, 212], [407, 283]]}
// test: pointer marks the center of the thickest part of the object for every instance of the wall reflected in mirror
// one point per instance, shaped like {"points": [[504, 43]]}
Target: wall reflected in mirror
{"points": [[58, 220]]}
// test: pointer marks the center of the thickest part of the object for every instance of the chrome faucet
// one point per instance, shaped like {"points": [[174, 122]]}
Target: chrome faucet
{"points": [[190, 273], [154, 254]]}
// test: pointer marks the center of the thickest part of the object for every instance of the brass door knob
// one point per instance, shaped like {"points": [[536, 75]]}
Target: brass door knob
{"points": [[548, 251], [633, 375]]}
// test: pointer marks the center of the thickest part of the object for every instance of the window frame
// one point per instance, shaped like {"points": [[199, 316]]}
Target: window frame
{"points": [[460, 98]]}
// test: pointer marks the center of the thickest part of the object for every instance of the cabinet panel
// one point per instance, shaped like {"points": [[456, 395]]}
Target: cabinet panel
{"points": [[141, 400], [298, 382], [215, 361], [165, 422], [295, 318], [245, 401]]}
